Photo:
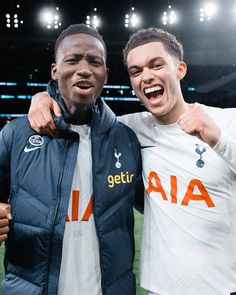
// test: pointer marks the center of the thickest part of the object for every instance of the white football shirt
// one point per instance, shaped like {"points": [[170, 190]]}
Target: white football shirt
{"points": [[189, 232], [80, 272]]}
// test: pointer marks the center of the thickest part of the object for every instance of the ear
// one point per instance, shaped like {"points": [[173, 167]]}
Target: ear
{"points": [[108, 70], [54, 71], [182, 70]]}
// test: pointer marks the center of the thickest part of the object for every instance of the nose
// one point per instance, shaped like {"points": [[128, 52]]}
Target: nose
{"points": [[147, 75], [83, 69]]}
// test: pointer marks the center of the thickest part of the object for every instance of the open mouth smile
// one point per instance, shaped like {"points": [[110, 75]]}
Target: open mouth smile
{"points": [[154, 92], [84, 87]]}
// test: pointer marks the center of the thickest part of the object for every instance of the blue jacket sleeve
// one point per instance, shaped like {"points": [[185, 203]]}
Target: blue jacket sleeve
{"points": [[4, 164]]}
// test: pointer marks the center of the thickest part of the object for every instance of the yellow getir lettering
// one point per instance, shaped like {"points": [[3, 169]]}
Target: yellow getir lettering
{"points": [[123, 177], [131, 177], [117, 179], [110, 181]]}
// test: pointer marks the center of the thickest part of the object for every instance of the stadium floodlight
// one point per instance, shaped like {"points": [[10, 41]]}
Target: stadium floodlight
{"points": [[207, 12], [169, 17], [93, 20], [12, 19], [50, 18], [132, 20]]}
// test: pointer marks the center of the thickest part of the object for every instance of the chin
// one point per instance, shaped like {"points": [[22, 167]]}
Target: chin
{"points": [[157, 113]]}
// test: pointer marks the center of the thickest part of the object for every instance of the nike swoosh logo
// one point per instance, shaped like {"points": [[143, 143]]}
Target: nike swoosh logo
{"points": [[27, 150], [146, 146]]}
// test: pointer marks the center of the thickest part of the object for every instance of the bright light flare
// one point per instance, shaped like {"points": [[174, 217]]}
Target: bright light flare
{"points": [[50, 18], [208, 11], [169, 17], [47, 17], [132, 19], [12, 20], [93, 20]]}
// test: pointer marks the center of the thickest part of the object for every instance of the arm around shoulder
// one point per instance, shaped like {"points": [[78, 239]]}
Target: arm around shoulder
{"points": [[40, 114]]}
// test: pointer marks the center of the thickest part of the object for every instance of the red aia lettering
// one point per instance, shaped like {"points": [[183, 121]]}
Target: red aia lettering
{"points": [[75, 208], [154, 185]]}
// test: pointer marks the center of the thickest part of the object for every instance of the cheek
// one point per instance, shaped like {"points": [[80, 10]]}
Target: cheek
{"points": [[100, 82], [172, 81], [99, 86], [135, 84], [66, 73], [61, 76], [63, 86]]}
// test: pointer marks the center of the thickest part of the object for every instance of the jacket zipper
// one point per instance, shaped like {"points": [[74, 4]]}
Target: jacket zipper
{"points": [[55, 214], [96, 225], [101, 265]]}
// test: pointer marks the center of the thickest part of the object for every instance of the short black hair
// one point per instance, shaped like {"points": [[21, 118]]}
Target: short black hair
{"points": [[144, 36], [78, 29]]}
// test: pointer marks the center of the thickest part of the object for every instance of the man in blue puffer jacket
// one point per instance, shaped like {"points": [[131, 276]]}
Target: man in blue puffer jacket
{"points": [[71, 197]]}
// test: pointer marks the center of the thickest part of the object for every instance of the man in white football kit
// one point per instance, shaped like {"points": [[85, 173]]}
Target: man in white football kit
{"points": [[189, 172], [189, 231]]}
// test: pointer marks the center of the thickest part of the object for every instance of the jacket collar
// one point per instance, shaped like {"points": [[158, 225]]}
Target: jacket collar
{"points": [[103, 117]]}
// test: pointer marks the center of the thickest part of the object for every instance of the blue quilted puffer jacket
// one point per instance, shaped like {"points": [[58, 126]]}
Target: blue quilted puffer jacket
{"points": [[36, 175]]}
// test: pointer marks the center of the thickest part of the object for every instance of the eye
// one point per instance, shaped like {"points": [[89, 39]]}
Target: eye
{"points": [[156, 66], [71, 60], [95, 62], [134, 73]]}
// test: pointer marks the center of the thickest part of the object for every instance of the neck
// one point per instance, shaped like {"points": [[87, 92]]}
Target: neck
{"points": [[81, 116], [173, 115]]}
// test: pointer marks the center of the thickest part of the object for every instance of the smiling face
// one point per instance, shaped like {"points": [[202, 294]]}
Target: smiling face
{"points": [[80, 70], [155, 77]]}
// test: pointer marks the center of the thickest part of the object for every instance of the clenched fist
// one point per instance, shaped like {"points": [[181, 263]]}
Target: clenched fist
{"points": [[197, 122], [5, 217]]}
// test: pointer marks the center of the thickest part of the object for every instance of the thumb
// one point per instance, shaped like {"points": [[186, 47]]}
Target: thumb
{"points": [[9, 216], [56, 109]]}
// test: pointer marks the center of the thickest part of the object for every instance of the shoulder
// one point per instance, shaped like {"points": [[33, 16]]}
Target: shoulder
{"points": [[225, 114], [123, 134], [130, 132], [219, 111], [16, 127], [18, 124], [137, 121], [224, 118]]}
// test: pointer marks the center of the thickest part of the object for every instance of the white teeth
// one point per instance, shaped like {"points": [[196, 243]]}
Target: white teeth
{"points": [[152, 89]]}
